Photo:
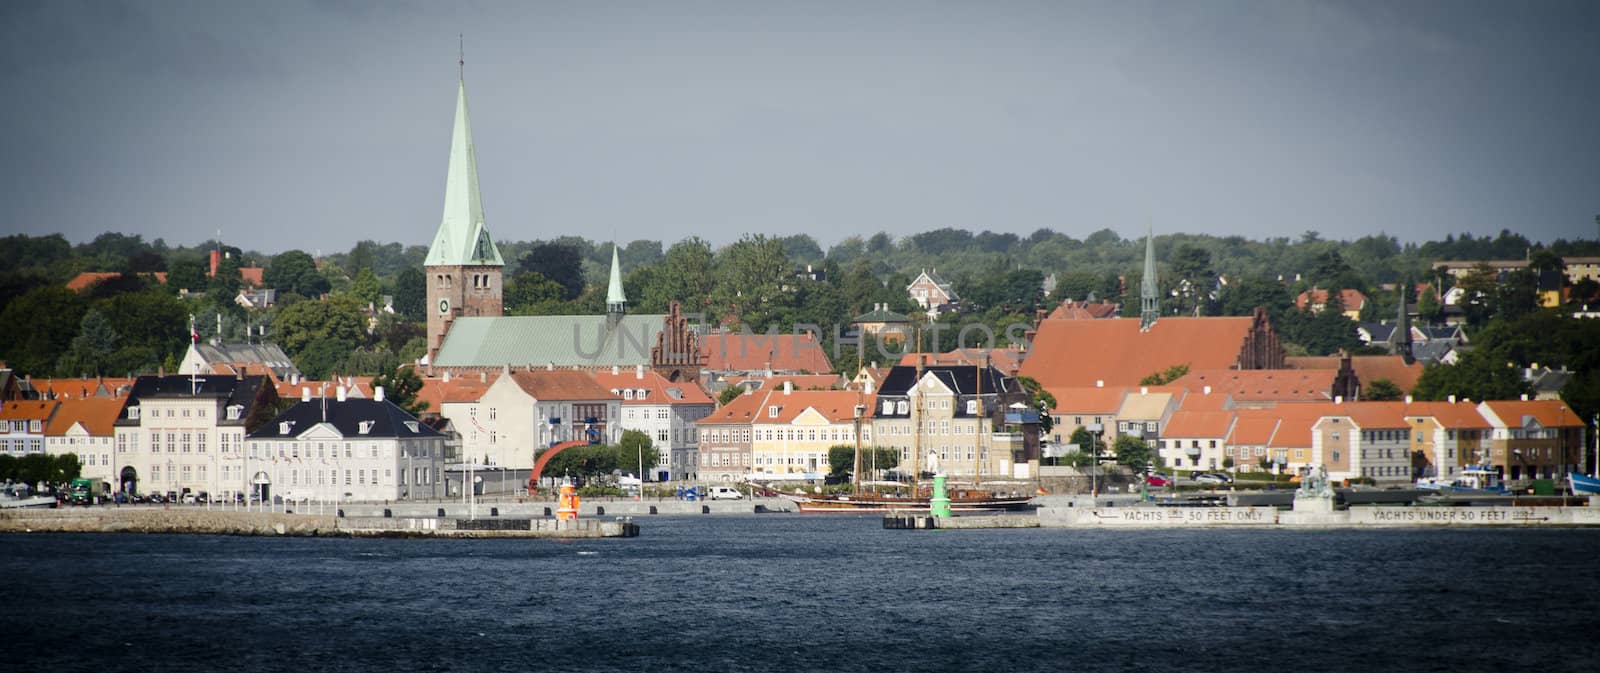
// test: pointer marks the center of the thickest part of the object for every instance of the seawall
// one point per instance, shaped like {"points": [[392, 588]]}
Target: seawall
{"points": [[1357, 517]]}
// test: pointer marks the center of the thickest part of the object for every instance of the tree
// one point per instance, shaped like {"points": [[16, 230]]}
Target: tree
{"points": [[1382, 390], [1162, 378], [1482, 373], [1039, 399], [365, 288], [337, 321], [295, 271], [411, 293], [635, 452], [557, 262], [530, 293], [729, 394], [842, 460], [401, 387], [1135, 453], [38, 327], [92, 349], [188, 273]]}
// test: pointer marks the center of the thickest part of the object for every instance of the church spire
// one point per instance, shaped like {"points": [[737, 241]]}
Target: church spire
{"points": [[463, 237], [616, 301], [1148, 288]]}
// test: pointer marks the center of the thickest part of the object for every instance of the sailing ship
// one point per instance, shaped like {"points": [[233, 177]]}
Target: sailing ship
{"points": [[1588, 484]]}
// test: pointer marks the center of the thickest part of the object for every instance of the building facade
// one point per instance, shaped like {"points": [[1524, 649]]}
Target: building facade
{"points": [[182, 434], [346, 450]]}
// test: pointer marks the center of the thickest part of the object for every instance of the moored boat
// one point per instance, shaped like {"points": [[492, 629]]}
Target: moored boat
{"points": [[1584, 484], [961, 500]]}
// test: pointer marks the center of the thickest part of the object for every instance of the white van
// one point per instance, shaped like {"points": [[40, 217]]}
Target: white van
{"points": [[723, 493]]}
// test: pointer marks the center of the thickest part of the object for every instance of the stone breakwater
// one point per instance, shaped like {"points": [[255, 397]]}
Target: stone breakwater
{"points": [[200, 521], [174, 520]]}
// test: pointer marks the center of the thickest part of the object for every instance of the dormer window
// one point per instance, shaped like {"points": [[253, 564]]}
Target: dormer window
{"points": [[972, 406], [412, 426], [643, 393], [627, 393], [365, 427], [900, 407], [888, 407], [772, 411], [133, 413], [285, 426], [235, 411]]}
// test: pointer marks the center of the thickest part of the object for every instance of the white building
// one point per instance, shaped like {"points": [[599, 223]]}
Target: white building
{"points": [[664, 411], [344, 450], [186, 433], [524, 411], [86, 428]]}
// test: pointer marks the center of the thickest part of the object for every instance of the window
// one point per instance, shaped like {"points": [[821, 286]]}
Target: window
{"points": [[661, 435], [772, 411], [200, 442]]}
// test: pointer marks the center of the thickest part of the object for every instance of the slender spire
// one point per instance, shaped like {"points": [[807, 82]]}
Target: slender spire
{"points": [[1403, 323], [1149, 290], [616, 301], [463, 237]]}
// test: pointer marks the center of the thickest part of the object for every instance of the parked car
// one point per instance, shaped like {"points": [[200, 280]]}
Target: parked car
{"points": [[1158, 479], [723, 493], [1211, 478], [155, 499]]}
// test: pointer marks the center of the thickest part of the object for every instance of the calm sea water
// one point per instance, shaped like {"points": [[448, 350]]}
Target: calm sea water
{"points": [[782, 593]]}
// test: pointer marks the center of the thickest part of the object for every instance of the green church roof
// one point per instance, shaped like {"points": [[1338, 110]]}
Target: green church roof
{"points": [[562, 340], [463, 238]]}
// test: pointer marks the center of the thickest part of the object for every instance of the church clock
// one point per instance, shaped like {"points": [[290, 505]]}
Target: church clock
{"points": [[444, 306]]}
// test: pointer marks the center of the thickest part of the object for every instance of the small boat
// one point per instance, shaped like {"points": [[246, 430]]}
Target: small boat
{"points": [[961, 500], [1583, 484], [1474, 480]]}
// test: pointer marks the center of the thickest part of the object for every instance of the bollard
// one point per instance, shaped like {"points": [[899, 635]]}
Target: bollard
{"points": [[705, 509], [441, 512], [494, 511], [341, 513], [599, 511], [387, 514], [652, 509], [547, 511], [939, 505]]}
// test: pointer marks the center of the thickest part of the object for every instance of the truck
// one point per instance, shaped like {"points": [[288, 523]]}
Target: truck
{"points": [[86, 491]]}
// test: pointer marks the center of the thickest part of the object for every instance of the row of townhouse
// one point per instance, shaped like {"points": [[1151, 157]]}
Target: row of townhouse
{"points": [[1283, 421], [518, 413], [934, 417], [217, 434]]}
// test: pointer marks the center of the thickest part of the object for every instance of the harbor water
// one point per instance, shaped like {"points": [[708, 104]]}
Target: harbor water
{"points": [[786, 593]]}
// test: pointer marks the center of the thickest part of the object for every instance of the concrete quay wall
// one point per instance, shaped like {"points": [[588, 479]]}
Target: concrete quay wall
{"points": [[538, 508], [157, 520], [1356, 517]]}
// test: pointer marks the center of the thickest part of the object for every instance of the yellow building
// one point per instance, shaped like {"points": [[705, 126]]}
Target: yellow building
{"points": [[792, 430]]}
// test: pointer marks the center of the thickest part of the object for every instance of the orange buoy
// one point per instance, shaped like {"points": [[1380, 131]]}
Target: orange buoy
{"points": [[567, 504]]}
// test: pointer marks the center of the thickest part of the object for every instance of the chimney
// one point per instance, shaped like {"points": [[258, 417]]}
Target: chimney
{"points": [[1452, 399], [1338, 399], [615, 370], [549, 366], [1206, 390], [305, 393], [1144, 390], [446, 376], [788, 387], [341, 393], [638, 372], [216, 259], [377, 393], [866, 388], [1408, 399], [1524, 397], [1099, 383], [483, 377]]}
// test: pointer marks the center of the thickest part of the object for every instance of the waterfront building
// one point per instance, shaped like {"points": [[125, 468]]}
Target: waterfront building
{"points": [[1084, 407], [1145, 412], [933, 293], [238, 359], [344, 450], [725, 444], [186, 433], [949, 412], [85, 427], [22, 426], [1534, 439], [1446, 437], [1196, 440], [664, 411], [523, 411], [1369, 440], [793, 430]]}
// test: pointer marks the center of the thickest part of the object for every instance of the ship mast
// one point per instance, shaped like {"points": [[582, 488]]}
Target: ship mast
{"points": [[977, 451], [916, 423]]}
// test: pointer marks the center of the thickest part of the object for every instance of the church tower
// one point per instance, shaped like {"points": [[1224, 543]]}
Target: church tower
{"points": [[463, 266], [1149, 290]]}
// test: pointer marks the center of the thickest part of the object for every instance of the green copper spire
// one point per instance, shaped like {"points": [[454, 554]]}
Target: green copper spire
{"points": [[463, 238], [616, 301], [1149, 290]]}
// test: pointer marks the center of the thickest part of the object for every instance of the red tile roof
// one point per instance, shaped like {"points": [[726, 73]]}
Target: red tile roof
{"points": [[1087, 400], [725, 351], [1549, 413], [1456, 415], [838, 406], [1368, 368], [1080, 352], [1253, 427], [1199, 424], [1353, 300], [28, 410], [1082, 310], [1256, 385], [1004, 360], [1374, 415], [741, 410], [80, 387], [560, 384], [658, 386], [83, 280], [436, 391], [97, 414], [798, 381]]}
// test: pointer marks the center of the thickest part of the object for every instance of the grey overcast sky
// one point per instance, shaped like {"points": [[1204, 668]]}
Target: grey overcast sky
{"points": [[294, 124]]}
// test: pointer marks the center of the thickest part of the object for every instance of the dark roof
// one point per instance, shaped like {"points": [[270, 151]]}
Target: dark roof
{"points": [[962, 379], [347, 417], [1379, 331]]}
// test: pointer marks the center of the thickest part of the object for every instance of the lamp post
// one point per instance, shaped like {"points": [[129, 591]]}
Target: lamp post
{"points": [[1524, 465], [1094, 461]]}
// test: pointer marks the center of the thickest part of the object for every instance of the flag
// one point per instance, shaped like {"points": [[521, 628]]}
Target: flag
{"points": [[194, 335]]}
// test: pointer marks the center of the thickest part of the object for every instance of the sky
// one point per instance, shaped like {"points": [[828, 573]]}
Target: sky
{"points": [[316, 124]]}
